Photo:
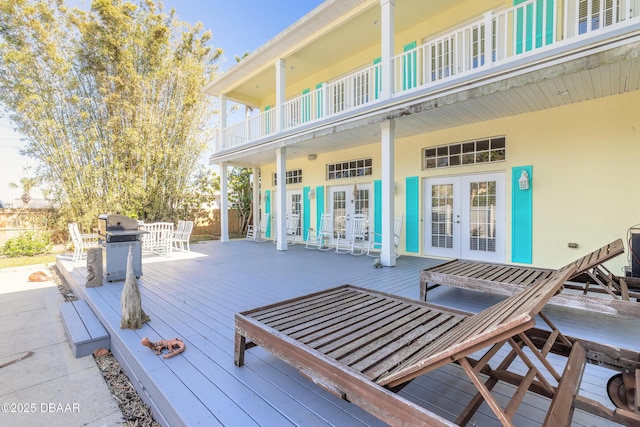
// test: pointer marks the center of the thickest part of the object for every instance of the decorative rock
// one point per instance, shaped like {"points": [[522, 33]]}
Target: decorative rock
{"points": [[39, 276]]}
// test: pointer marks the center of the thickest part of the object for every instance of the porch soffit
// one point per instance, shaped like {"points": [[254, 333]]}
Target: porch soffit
{"points": [[335, 30], [593, 74]]}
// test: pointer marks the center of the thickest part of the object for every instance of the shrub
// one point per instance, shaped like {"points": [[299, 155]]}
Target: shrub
{"points": [[28, 243]]}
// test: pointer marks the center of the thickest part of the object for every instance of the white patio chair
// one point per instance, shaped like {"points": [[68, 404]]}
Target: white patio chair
{"points": [[293, 221], [179, 228], [81, 242], [257, 233], [181, 239], [321, 239], [375, 239], [353, 241]]}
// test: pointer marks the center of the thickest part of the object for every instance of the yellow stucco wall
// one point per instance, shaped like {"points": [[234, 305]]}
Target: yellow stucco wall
{"points": [[584, 172]]}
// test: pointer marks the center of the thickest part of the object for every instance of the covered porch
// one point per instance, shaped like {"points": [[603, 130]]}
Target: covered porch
{"points": [[195, 297]]}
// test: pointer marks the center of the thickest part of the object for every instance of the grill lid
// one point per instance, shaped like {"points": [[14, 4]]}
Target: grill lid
{"points": [[108, 224]]}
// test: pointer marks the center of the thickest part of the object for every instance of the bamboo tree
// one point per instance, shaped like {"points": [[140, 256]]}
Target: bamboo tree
{"points": [[110, 101]]}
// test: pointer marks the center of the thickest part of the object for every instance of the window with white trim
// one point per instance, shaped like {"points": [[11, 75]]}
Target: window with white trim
{"points": [[350, 169], [293, 176], [465, 153]]}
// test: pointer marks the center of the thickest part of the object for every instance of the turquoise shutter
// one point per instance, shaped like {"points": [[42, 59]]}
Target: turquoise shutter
{"points": [[319, 204], [306, 212], [521, 217], [377, 210], [377, 80], [306, 105], [267, 210], [409, 67], [544, 16], [412, 237]]}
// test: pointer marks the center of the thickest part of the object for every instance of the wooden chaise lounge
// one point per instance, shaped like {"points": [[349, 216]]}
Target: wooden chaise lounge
{"points": [[592, 287], [364, 346]]}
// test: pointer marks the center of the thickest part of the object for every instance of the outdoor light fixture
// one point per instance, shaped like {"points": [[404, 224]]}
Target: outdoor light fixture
{"points": [[312, 156], [523, 181], [312, 193]]}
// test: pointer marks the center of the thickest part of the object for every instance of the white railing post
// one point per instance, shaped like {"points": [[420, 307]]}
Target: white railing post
{"points": [[488, 39]]}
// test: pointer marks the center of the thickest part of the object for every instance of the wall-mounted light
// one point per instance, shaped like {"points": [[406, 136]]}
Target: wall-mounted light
{"points": [[312, 156], [523, 181], [312, 193]]}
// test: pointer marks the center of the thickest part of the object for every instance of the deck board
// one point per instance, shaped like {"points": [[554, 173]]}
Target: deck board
{"points": [[196, 299]]}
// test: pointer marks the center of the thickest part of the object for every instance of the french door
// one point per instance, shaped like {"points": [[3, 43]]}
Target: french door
{"points": [[465, 217], [294, 206], [346, 201]]}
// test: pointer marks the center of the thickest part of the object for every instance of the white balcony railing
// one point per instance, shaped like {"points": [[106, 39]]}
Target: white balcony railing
{"points": [[497, 37]]}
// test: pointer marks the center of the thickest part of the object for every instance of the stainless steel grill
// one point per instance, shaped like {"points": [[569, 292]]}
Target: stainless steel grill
{"points": [[117, 234]]}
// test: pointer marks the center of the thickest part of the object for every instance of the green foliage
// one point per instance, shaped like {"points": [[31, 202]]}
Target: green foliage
{"points": [[241, 193], [28, 243], [201, 192], [110, 101]]}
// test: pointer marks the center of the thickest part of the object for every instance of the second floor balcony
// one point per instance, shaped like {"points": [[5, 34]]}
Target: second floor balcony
{"points": [[499, 39]]}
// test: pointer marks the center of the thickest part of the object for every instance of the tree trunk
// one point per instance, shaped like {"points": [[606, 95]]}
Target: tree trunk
{"points": [[132, 314]]}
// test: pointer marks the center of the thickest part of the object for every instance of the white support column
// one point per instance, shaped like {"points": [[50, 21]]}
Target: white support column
{"points": [[280, 92], [387, 255], [281, 198], [224, 203], [387, 27], [223, 123], [256, 197]]}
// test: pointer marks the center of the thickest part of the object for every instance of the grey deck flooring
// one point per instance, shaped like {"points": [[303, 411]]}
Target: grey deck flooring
{"points": [[195, 298]]}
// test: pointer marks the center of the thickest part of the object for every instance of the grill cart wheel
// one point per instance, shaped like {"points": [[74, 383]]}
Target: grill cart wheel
{"points": [[618, 393]]}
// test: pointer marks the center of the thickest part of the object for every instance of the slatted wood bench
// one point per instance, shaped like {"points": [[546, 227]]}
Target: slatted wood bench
{"points": [[84, 330], [587, 285], [364, 346]]}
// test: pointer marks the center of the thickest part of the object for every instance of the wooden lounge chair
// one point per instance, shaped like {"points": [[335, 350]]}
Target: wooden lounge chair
{"points": [[592, 287], [363, 346]]}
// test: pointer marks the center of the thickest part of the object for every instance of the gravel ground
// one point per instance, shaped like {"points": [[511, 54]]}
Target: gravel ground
{"points": [[134, 410]]}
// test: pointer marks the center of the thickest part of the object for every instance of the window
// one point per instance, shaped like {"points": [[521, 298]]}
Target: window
{"points": [[292, 177], [465, 153], [350, 169]]}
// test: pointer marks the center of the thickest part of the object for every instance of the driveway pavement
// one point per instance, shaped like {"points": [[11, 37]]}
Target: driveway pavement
{"points": [[49, 387]]}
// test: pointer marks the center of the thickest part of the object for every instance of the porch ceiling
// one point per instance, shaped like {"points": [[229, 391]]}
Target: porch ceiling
{"points": [[610, 69], [316, 40]]}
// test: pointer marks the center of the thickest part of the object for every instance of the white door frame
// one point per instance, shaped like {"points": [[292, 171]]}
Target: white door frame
{"points": [[349, 209], [471, 219]]}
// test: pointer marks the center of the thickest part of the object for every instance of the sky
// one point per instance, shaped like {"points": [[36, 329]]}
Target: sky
{"points": [[237, 26]]}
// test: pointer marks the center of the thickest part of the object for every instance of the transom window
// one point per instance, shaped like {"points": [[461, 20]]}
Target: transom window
{"points": [[294, 176], [349, 169], [465, 153]]}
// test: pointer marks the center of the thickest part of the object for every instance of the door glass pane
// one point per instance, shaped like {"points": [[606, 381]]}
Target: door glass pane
{"points": [[482, 216], [296, 208], [442, 216], [361, 203], [339, 213]]}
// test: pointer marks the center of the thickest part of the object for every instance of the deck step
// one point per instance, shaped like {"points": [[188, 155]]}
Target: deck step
{"points": [[84, 331]]}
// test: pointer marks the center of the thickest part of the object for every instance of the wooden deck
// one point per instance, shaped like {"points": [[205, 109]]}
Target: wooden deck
{"points": [[195, 298]]}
